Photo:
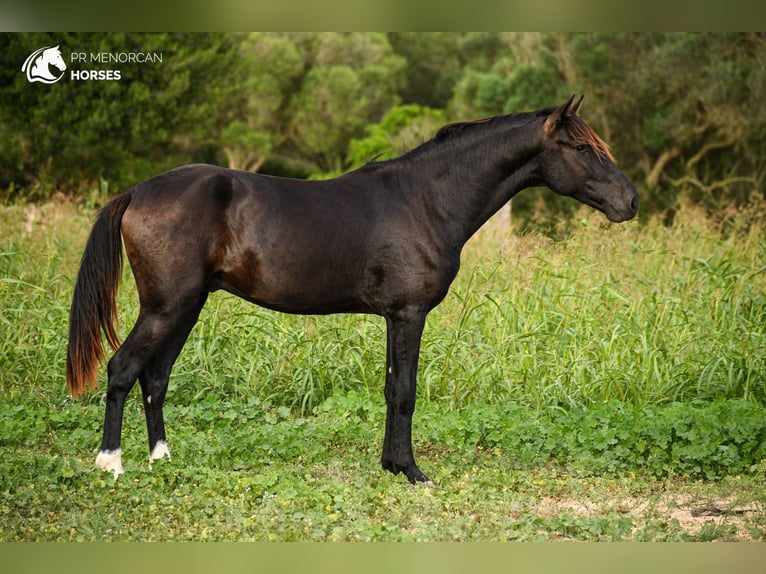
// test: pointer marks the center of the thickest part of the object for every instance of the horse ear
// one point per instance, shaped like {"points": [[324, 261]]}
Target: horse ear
{"points": [[576, 107], [559, 114]]}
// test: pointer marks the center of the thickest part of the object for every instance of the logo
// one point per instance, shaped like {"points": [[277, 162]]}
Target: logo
{"points": [[47, 65], [39, 64]]}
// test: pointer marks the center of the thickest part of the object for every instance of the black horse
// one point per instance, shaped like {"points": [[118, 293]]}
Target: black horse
{"points": [[384, 239]]}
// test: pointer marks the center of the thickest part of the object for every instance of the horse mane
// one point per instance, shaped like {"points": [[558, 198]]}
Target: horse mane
{"points": [[577, 128], [457, 128]]}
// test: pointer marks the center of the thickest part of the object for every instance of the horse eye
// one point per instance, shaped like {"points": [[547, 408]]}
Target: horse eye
{"points": [[581, 147]]}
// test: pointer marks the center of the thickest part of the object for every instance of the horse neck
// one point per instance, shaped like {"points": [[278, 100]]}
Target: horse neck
{"points": [[466, 180]]}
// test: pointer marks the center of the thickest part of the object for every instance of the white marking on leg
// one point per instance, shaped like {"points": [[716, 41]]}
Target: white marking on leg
{"points": [[149, 400], [160, 450], [110, 460]]}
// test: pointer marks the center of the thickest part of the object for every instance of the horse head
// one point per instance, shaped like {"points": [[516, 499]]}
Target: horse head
{"points": [[577, 163]]}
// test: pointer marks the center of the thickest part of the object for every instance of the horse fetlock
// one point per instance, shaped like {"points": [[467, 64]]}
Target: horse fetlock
{"points": [[110, 460], [159, 451]]}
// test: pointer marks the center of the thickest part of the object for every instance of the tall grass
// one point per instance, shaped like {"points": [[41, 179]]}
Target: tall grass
{"points": [[639, 312]]}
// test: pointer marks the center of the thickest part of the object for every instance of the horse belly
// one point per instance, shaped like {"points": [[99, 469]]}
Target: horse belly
{"points": [[295, 282]]}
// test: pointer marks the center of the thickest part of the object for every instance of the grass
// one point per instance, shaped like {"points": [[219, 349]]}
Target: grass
{"points": [[596, 387]]}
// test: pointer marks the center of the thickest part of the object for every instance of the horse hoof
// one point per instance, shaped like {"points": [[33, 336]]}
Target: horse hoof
{"points": [[415, 476], [423, 481], [412, 472]]}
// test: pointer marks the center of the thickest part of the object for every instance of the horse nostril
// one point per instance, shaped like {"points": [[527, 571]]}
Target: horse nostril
{"points": [[634, 203]]}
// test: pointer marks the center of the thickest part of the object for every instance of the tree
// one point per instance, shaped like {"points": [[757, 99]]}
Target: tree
{"points": [[512, 72], [433, 62], [683, 113], [401, 129], [71, 134], [686, 110], [353, 81], [257, 124]]}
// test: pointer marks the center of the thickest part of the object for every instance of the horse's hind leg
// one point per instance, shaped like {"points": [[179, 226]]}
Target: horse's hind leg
{"points": [[122, 370], [149, 350], [155, 376]]}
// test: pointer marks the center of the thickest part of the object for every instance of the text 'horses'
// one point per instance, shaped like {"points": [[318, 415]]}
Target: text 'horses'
{"points": [[384, 239]]}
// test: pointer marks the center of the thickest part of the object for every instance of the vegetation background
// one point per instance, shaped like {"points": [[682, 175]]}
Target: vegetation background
{"points": [[683, 112], [581, 381]]}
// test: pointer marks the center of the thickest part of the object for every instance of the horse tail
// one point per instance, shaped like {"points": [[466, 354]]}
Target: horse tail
{"points": [[94, 299]]}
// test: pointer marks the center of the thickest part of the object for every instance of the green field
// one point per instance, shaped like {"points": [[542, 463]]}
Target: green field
{"points": [[598, 382]]}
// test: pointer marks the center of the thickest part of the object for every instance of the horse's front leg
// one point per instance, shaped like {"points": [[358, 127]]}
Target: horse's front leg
{"points": [[404, 331]]}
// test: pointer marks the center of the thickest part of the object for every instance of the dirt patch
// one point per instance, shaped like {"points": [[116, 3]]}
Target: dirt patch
{"points": [[720, 519]]}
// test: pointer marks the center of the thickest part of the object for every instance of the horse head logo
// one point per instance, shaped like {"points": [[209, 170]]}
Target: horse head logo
{"points": [[39, 63]]}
